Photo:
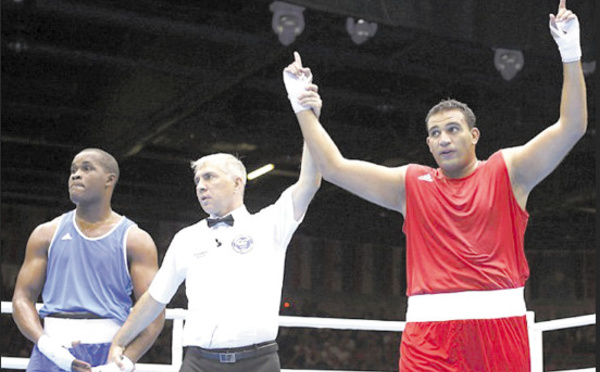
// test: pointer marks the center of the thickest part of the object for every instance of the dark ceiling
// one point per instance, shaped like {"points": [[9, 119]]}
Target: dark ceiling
{"points": [[159, 83]]}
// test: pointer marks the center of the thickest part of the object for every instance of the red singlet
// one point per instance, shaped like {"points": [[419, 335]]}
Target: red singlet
{"points": [[464, 235]]}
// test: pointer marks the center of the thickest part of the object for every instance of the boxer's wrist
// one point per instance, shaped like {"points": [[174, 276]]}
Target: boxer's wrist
{"points": [[566, 34], [295, 85], [55, 352]]}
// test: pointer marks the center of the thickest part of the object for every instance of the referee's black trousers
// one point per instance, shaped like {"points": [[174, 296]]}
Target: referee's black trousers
{"points": [[195, 362]]}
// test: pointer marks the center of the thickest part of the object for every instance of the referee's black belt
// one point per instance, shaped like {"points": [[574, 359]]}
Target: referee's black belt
{"points": [[233, 355]]}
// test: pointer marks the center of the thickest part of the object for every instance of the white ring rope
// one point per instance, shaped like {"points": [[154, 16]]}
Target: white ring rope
{"points": [[556, 324], [178, 315]]}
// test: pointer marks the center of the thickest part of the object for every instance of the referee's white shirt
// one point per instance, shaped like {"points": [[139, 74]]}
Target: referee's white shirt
{"points": [[233, 276]]}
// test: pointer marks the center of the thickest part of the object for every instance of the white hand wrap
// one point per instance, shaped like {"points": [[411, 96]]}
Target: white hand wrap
{"points": [[112, 367], [296, 85], [55, 352], [566, 36], [128, 365]]}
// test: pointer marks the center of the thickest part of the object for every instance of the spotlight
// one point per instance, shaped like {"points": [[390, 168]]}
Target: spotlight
{"points": [[288, 21], [508, 62], [361, 30]]}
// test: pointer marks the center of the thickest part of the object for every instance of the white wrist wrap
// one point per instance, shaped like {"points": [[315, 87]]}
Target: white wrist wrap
{"points": [[566, 36], [112, 367], [127, 364], [55, 352], [295, 85]]}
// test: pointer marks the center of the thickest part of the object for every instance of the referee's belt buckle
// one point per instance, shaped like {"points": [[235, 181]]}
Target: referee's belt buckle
{"points": [[227, 358]]}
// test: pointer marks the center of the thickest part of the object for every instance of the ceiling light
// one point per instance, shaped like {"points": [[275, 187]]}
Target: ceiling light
{"points": [[288, 21], [588, 67], [260, 171], [361, 30], [508, 62]]}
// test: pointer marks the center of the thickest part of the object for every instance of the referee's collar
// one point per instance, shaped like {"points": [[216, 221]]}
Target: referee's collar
{"points": [[238, 213]]}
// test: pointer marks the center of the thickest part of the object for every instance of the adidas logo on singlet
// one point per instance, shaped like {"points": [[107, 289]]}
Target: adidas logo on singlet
{"points": [[426, 177], [67, 236]]}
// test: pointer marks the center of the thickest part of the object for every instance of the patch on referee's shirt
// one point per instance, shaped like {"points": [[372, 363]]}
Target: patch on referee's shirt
{"points": [[242, 244]]}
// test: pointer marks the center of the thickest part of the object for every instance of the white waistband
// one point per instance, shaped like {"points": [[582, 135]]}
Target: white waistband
{"points": [[502, 303], [86, 331]]}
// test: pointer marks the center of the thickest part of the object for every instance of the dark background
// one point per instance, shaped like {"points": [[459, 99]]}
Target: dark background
{"points": [[160, 83]]}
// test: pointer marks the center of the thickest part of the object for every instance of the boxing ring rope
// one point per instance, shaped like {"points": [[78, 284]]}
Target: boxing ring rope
{"points": [[178, 316]]}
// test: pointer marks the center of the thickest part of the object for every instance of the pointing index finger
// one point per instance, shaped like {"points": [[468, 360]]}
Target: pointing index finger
{"points": [[562, 5], [298, 60]]}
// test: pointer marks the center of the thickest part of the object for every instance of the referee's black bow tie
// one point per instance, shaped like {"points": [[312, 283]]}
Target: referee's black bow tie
{"points": [[213, 221]]}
